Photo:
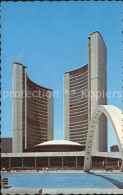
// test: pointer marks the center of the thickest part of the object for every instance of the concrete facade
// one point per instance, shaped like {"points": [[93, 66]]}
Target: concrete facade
{"points": [[55, 154], [92, 79], [76, 106], [50, 108], [97, 63], [33, 118], [66, 106], [63, 160], [17, 144]]}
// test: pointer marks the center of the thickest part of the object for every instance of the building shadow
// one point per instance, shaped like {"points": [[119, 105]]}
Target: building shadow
{"points": [[115, 182]]}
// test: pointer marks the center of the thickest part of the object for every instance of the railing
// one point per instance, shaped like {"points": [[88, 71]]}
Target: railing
{"points": [[4, 182]]}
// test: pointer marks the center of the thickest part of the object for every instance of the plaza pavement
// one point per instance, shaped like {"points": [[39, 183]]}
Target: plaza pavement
{"points": [[31, 191]]}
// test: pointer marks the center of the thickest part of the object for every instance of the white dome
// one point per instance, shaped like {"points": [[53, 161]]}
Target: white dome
{"points": [[59, 142]]}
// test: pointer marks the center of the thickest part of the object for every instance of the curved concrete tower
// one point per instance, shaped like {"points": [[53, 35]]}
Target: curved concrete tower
{"points": [[33, 119], [97, 65], [76, 106], [84, 89]]}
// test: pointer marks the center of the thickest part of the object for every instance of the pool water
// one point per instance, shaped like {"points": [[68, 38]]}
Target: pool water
{"points": [[64, 180]]}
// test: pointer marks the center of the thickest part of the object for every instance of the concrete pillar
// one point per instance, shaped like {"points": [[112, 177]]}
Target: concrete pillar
{"points": [[62, 161], [35, 162], [122, 165], [9, 162], [76, 162], [48, 161], [91, 163], [118, 163], [103, 163], [22, 162]]}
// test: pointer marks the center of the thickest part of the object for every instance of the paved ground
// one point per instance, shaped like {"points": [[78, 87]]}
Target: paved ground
{"points": [[21, 191], [31, 191], [63, 171]]}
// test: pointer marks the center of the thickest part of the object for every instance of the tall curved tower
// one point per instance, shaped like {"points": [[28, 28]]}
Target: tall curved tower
{"points": [[32, 111], [84, 89]]}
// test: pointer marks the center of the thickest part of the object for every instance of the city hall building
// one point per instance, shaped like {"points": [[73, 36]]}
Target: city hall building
{"points": [[84, 89], [33, 120]]}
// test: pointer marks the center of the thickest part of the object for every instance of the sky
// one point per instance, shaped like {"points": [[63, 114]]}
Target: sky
{"points": [[51, 38]]}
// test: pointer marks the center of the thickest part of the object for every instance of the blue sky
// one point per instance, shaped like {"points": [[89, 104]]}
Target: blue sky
{"points": [[50, 38]]}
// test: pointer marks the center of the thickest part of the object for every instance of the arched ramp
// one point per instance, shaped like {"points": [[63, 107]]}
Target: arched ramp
{"points": [[115, 117]]}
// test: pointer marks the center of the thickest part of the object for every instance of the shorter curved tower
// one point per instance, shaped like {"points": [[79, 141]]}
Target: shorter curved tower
{"points": [[76, 105], [32, 111]]}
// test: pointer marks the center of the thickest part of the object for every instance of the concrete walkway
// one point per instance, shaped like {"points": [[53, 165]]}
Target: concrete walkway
{"points": [[62, 172], [21, 191], [81, 191], [32, 191]]}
